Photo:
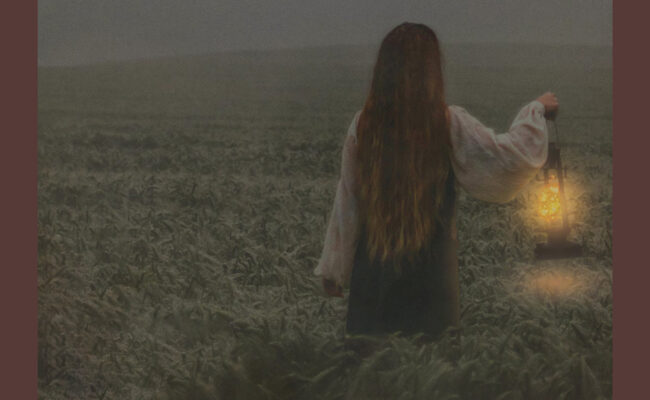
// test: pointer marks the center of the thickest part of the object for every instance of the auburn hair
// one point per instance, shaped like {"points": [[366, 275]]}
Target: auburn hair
{"points": [[403, 144]]}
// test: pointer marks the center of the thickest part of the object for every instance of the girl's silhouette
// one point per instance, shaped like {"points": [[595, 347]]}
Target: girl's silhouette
{"points": [[392, 230]]}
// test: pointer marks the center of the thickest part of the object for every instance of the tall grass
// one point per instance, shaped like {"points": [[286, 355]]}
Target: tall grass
{"points": [[182, 207]]}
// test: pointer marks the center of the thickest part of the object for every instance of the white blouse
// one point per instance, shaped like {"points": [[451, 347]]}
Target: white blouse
{"points": [[488, 166]]}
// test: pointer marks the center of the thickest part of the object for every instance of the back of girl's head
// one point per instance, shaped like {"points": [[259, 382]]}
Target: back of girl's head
{"points": [[409, 65], [404, 145]]}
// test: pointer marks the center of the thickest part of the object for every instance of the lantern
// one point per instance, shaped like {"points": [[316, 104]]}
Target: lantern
{"points": [[553, 208]]}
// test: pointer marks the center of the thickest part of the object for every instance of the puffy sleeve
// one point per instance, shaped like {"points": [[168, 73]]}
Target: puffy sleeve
{"points": [[495, 167], [340, 243]]}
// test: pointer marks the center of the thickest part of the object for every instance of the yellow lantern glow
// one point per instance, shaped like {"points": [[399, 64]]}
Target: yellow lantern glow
{"points": [[550, 207]]}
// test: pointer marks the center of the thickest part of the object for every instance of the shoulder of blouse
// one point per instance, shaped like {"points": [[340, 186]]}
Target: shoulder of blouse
{"points": [[352, 129], [457, 112], [457, 115]]}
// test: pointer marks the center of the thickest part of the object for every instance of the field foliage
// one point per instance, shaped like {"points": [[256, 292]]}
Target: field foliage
{"points": [[182, 208]]}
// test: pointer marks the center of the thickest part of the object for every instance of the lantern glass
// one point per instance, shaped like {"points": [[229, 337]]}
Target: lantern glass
{"points": [[550, 205], [552, 209]]}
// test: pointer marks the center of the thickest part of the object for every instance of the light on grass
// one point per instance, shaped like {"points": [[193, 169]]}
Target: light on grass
{"points": [[556, 283]]}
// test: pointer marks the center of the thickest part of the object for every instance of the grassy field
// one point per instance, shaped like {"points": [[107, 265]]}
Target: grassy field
{"points": [[182, 208]]}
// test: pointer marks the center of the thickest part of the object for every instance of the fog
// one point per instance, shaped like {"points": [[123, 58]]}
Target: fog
{"points": [[88, 31]]}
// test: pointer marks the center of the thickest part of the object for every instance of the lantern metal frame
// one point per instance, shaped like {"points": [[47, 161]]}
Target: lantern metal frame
{"points": [[557, 244]]}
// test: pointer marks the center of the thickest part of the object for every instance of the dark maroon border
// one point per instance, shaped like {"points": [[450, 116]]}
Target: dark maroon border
{"points": [[18, 201], [18, 218], [631, 201]]}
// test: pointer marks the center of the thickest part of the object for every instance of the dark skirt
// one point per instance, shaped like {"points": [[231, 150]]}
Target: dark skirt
{"points": [[421, 298]]}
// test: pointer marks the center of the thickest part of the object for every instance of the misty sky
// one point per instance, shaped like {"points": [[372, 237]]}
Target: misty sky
{"points": [[82, 31]]}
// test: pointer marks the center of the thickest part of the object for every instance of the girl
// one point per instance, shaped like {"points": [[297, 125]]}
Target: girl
{"points": [[392, 230]]}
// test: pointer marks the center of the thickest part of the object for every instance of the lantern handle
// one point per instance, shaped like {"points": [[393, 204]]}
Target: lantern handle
{"points": [[557, 131]]}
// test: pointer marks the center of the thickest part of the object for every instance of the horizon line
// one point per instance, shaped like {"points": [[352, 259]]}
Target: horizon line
{"points": [[160, 57]]}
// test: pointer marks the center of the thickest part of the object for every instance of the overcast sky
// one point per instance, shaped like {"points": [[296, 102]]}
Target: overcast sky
{"points": [[82, 31]]}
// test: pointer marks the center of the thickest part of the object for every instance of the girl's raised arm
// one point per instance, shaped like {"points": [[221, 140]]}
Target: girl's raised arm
{"points": [[495, 167]]}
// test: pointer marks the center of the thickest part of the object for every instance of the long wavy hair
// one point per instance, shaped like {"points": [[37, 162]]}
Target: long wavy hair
{"points": [[403, 144]]}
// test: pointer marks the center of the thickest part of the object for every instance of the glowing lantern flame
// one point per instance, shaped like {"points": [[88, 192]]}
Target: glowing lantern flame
{"points": [[550, 203]]}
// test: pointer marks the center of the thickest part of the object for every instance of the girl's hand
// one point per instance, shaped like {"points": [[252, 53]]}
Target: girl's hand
{"points": [[550, 103], [332, 289]]}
